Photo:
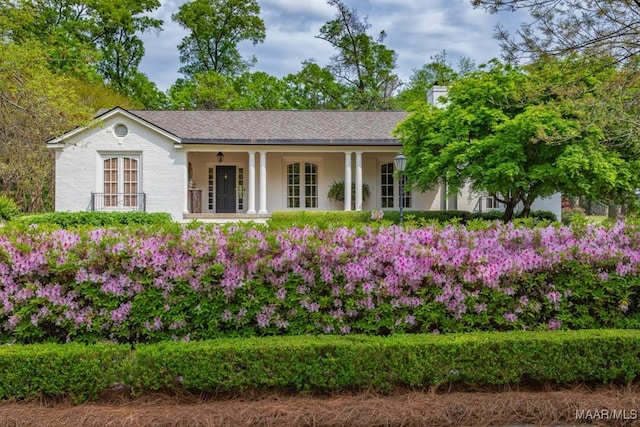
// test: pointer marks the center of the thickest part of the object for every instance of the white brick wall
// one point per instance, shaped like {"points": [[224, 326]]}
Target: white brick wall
{"points": [[79, 166]]}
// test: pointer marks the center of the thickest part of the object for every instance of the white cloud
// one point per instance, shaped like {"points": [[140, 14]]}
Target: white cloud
{"points": [[416, 30]]}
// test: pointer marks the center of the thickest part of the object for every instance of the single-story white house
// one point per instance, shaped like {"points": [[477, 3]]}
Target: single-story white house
{"points": [[238, 164]]}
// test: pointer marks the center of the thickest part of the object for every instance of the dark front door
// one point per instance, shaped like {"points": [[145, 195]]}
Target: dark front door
{"points": [[225, 189]]}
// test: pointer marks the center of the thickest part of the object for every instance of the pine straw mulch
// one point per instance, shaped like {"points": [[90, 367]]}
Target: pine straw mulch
{"points": [[400, 408]]}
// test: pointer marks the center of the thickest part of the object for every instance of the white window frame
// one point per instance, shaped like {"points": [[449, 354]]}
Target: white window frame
{"points": [[395, 186], [317, 161], [120, 157]]}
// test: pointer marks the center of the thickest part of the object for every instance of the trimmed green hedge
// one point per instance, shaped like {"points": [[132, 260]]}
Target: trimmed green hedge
{"points": [[97, 219], [326, 219], [74, 370], [323, 364], [497, 216], [322, 219]]}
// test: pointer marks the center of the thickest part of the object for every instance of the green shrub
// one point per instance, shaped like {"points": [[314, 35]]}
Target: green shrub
{"points": [[321, 219], [574, 217], [537, 216], [326, 219], [98, 219], [74, 370], [8, 209], [544, 216], [324, 364], [336, 192], [488, 216], [424, 217]]}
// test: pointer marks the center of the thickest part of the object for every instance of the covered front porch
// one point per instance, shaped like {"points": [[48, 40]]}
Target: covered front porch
{"points": [[227, 181]]}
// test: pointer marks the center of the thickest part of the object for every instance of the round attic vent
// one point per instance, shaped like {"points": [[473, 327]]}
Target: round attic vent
{"points": [[120, 131]]}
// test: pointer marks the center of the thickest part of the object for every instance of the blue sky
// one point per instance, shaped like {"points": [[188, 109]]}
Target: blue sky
{"points": [[416, 30]]}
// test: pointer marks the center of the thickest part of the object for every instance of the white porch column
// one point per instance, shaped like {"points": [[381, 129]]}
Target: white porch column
{"points": [[185, 184], [358, 180], [347, 181], [251, 196], [263, 183]]}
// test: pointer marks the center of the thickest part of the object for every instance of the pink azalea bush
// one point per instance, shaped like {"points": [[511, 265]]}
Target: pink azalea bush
{"points": [[197, 282]]}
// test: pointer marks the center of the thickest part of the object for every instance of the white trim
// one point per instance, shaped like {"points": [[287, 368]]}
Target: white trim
{"points": [[287, 160], [205, 201], [263, 183], [358, 180], [99, 121], [102, 156], [347, 181], [251, 197]]}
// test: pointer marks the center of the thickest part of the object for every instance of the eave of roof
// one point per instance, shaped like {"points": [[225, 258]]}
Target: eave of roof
{"points": [[348, 142]]}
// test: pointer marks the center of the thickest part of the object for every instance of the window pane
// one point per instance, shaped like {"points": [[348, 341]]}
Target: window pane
{"points": [[293, 185], [386, 180], [311, 185]]}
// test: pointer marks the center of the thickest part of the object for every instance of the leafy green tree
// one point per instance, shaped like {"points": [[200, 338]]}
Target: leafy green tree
{"points": [[561, 27], [362, 62], [203, 91], [601, 30], [315, 88], [121, 48], [95, 40], [216, 27], [509, 132], [260, 91], [36, 104], [439, 71]]}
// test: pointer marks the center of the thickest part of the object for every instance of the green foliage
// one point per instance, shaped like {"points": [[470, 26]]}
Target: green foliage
{"points": [[36, 105], [428, 217], [496, 215], [325, 219], [351, 219], [316, 88], [439, 72], [323, 364], [510, 132], [94, 41], [568, 27], [74, 370], [216, 27], [8, 209], [153, 283], [363, 63], [336, 191], [97, 219]]}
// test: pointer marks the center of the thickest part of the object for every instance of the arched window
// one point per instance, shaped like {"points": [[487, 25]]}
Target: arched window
{"points": [[121, 181]]}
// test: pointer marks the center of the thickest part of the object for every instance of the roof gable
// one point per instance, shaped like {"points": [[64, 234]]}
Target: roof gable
{"points": [[106, 115]]}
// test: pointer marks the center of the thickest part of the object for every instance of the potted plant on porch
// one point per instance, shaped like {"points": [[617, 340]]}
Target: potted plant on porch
{"points": [[336, 192]]}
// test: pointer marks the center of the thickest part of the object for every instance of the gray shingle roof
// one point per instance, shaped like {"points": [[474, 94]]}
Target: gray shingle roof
{"points": [[278, 126]]}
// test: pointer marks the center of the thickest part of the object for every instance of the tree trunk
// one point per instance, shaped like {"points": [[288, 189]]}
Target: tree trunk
{"points": [[526, 206], [613, 210], [508, 212]]}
